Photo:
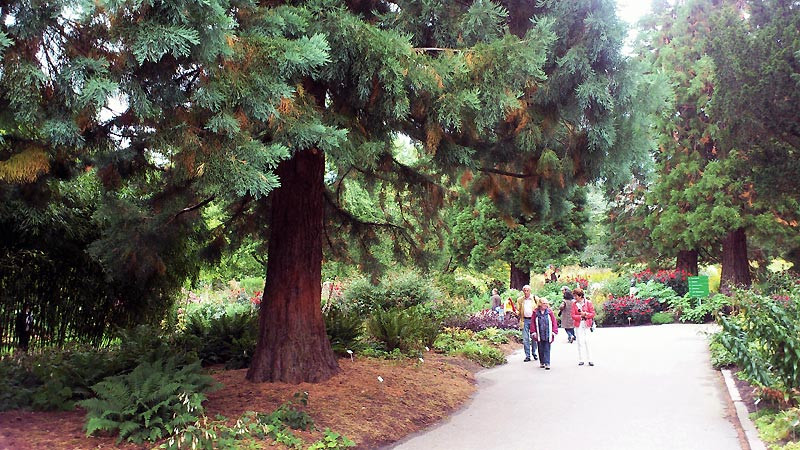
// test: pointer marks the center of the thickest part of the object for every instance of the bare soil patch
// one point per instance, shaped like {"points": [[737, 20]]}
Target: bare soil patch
{"points": [[412, 396]]}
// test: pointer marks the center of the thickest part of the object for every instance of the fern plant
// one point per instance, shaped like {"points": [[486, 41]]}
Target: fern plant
{"points": [[397, 329], [344, 330], [150, 402]]}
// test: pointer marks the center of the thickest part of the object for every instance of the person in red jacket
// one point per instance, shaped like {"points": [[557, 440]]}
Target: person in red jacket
{"points": [[544, 330], [583, 316]]}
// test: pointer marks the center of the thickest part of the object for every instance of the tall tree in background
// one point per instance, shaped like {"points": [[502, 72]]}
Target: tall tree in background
{"points": [[692, 205], [482, 235], [757, 103]]}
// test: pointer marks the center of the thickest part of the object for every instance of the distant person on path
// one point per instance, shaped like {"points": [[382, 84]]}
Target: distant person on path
{"points": [[497, 304], [566, 314], [525, 306], [545, 329], [24, 325], [633, 290], [583, 316]]}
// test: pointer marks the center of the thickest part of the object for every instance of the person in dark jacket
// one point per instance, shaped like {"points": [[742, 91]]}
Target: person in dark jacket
{"points": [[544, 330]]}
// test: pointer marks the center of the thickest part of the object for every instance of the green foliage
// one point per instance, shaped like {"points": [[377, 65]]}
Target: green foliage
{"points": [[619, 286], [720, 356], [696, 310], [344, 329], [294, 418], [475, 346], [228, 339], [485, 355], [778, 427], [332, 440], [402, 290], [496, 336], [653, 289], [406, 330], [56, 378], [149, 402], [764, 338], [661, 318]]}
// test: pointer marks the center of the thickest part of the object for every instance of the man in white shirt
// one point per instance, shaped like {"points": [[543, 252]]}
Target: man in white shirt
{"points": [[525, 307]]}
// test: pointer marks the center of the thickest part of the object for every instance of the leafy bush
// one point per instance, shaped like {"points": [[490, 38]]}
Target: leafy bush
{"points": [[695, 310], [661, 318], [676, 279], [720, 356], [55, 378], [483, 354], [402, 290], [764, 338], [617, 311], [228, 339], [398, 329], [496, 336], [475, 346], [452, 339], [52, 379], [149, 402], [455, 285], [778, 427], [783, 282], [619, 287], [653, 289], [344, 329]]}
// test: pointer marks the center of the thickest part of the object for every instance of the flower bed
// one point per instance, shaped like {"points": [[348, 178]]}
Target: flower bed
{"points": [[619, 310]]}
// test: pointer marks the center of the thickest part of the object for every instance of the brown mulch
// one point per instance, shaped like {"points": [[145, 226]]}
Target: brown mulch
{"points": [[412, 396]]}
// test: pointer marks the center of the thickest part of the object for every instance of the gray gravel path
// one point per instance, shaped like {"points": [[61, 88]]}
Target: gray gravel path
{"points": [[652, 388]]}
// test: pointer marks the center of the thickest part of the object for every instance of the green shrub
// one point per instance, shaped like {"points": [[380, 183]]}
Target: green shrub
{"points": [[228, 339], [452, 339], [695, 310], [402, 290], [149, 402], [399, 329], [454, 285], [661, 318], [251, 285], [659, 291], [483, 354], [620, 286], [720, 356], [344, 330], [764, 338], [777, 427]]}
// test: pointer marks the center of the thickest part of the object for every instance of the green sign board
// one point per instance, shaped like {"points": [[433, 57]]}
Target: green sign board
{"points": [[698, 286]]}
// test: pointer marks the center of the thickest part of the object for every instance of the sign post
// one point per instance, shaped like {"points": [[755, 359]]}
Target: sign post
{"points": [[698, 286]]}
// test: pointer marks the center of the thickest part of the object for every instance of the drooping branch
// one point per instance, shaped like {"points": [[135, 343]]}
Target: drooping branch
{"points": [[193, 207]]}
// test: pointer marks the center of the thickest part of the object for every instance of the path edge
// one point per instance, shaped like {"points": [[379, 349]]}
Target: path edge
{"points": [[750, 431]]}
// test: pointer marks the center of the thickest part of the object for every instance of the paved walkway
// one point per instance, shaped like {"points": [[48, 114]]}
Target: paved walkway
{"points": [[652, 388]]}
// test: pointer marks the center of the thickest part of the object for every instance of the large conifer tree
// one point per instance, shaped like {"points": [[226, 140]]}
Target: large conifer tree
{"points": [[223, 101]]}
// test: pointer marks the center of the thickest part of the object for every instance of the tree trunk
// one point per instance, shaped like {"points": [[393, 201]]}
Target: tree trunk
{"points": [[735, 264], [519, 277], [687, 261], [292, 345]]}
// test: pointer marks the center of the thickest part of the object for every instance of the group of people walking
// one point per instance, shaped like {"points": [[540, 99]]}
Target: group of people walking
{"points": [[540, 327]]}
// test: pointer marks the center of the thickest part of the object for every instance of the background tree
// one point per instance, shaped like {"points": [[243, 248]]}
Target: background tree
{"points": [[483, 234]]}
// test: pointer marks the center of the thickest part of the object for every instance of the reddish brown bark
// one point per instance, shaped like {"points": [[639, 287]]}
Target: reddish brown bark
{"points": [[735, 264], [687, 260], [293, 346], [519, 277]]}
